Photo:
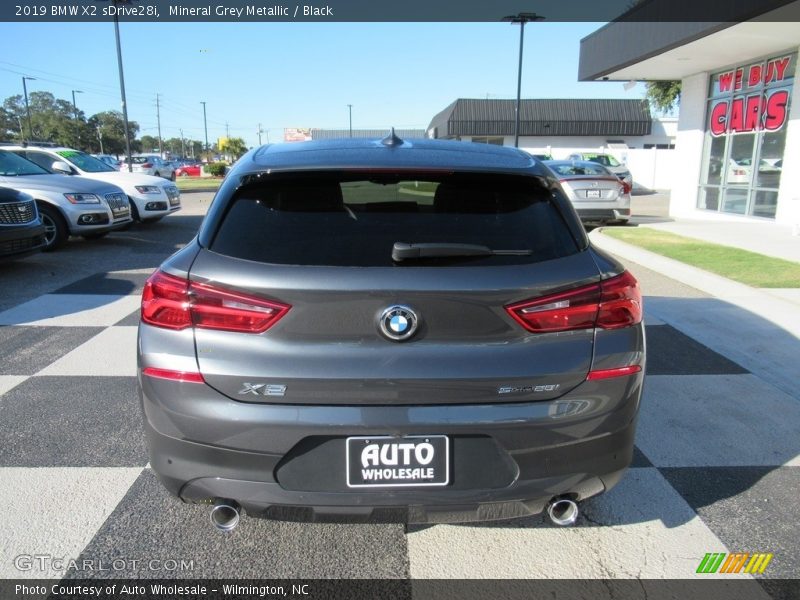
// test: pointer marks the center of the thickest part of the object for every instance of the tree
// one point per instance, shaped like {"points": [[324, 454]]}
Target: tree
{"points": [[149, 143], [234, 147], [664, 96], [111, 126]]}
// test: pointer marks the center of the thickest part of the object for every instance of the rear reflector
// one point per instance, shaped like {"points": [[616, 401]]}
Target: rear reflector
{"points": [[185, 376], [176, 303], [610, 304], [616, 372]]}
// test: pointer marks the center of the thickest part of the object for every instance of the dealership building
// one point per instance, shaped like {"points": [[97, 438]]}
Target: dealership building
{"points": [[738, 134], [555, 126]]}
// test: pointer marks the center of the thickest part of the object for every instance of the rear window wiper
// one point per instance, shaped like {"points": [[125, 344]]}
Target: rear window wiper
{"points": [[409, 251]]}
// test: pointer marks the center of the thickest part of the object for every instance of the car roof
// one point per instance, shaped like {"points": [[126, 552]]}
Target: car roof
{"points": [[390, 153]]}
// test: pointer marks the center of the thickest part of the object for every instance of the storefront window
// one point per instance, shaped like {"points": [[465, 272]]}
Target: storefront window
{"points": [[747, 114]]}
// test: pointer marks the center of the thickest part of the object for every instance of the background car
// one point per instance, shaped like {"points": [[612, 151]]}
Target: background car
{"points": [[189, 171], [608, 161], [151, 198], [542, 156], [111, 161], [382, 330], [67, 205], [149, 164], [597, 194], [21, 229]]}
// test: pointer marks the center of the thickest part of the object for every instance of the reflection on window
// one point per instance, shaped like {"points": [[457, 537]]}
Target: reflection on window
{"points": [[765, 204]]}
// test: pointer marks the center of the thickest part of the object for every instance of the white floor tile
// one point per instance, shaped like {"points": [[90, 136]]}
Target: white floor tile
{"points": [[71, 310], [9, 381], [112, 352], [55, 512], [640, 529]]}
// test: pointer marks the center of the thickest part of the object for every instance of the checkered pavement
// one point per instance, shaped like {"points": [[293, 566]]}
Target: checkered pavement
{"points": [[715, 470]]}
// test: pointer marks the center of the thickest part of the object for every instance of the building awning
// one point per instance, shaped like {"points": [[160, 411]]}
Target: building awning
{"points": [[670, 51], [543, 117]]}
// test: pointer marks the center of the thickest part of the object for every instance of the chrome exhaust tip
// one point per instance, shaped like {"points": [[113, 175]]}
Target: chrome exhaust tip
{"points": [[225, 515], [563, 511]]}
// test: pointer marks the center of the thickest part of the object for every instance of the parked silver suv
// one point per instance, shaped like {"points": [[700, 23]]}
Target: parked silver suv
{"points": [[151, 198], [67, 205]]}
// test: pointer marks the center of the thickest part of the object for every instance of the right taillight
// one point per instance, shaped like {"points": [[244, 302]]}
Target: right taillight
{"points": [[626, 187], [175, 303], [610, 304]]}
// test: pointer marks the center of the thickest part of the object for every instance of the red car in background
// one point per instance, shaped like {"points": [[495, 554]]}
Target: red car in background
{"points": [[188, 171]]}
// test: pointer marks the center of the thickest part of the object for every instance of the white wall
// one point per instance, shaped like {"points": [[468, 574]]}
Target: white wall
{"points": [[654, 169], [789, 191], [691, 130]]}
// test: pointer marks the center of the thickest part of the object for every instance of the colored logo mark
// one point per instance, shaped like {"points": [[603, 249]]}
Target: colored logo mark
{"points": [[737, 562]]}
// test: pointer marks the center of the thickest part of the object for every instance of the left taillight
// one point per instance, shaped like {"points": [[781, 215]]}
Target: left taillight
{"points": [[175, 303], [610, 304]]}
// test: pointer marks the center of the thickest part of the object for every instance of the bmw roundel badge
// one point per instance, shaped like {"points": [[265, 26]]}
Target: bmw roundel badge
{"points": [[398, 323]]}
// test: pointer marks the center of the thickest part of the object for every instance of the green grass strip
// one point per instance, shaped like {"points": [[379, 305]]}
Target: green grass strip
{"points": [[198, 183], [746, 267]]}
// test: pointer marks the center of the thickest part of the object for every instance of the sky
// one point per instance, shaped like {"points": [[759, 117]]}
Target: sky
{"points": [[293, 74]]}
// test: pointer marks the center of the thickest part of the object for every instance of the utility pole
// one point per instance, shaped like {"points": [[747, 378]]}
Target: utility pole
{"points": [[205, 124], [158, 120], [521, 18], [122, 86], [183, 145], [227, 131], [77, 124], [259, 132], [27, 106], [350, 109], [100, 137]]}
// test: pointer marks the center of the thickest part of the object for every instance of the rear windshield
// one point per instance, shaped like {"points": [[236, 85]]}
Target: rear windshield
{"points": [[349, 220], [582, 168]]}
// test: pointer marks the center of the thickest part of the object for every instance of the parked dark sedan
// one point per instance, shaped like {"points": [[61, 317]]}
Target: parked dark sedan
{"points": [[21, 228], [390, 330]]}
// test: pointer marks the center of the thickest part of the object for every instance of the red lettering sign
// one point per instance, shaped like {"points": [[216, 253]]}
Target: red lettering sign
{"points": [[745, 113], [775, 70], [776, 110]]}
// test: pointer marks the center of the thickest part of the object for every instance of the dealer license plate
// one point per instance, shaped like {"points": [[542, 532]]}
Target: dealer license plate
{"points": [[592, 193], [384, 461]]}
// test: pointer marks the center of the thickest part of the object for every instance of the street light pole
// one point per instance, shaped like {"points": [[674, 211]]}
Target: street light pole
{"points": [[260, 131], [27, 106], [122, 86], [205, 125], [521, 18], [350, 108], [75, 111]]}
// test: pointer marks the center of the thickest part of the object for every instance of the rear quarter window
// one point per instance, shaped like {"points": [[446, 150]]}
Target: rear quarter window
{"points": [[349, 219]]}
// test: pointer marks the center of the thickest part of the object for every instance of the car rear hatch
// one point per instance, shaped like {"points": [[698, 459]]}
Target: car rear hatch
{"points": [[594, 189], [291, 295]]}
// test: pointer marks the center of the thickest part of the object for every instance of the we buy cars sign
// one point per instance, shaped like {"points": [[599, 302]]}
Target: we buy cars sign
{"points": [[763, 108]]}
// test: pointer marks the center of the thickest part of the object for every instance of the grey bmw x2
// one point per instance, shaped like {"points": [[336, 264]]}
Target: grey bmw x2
{"points": [[390, 330]]}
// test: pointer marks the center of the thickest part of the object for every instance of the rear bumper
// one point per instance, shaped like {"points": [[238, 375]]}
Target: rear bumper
{"points": [[601, 215], [507, 460]]}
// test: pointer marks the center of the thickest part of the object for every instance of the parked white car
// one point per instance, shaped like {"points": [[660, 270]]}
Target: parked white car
{"points": [[149, 164], [151, 198], [609, 162], [67, 205], [597, 194]]}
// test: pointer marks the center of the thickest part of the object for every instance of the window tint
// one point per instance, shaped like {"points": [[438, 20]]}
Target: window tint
{"points": [[85, 162], [12, 165], [584, 168], [352, 221], [40, 158]]}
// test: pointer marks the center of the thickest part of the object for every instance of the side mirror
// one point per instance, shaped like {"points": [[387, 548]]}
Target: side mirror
{"points": [[61, 167]]}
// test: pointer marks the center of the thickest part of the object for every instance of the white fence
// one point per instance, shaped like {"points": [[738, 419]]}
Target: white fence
{"points": [[654, 169]]}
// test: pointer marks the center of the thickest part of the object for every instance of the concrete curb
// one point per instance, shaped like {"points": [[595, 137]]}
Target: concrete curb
{"points": [[780, 311]]}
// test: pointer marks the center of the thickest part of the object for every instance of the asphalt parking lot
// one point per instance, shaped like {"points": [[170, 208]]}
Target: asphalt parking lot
{"points": [[716, 467]]}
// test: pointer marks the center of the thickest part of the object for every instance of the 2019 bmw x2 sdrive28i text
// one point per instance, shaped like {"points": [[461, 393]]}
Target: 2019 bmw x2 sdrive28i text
{"points": [[390, 330]]}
